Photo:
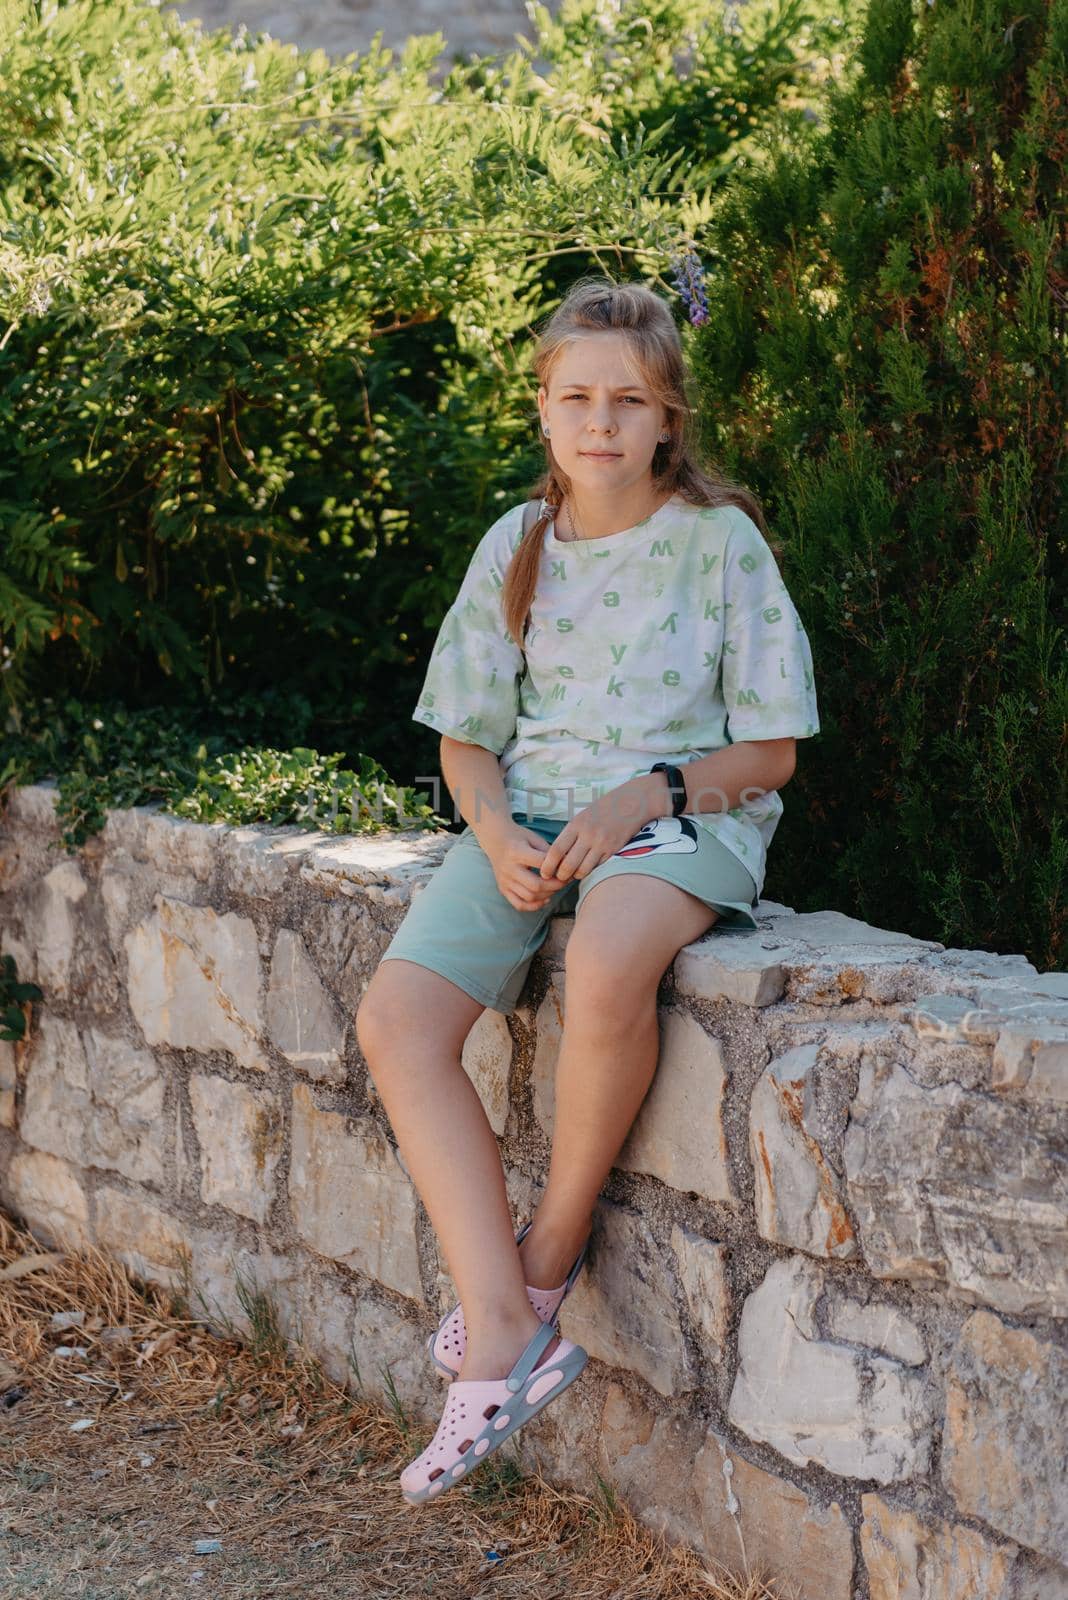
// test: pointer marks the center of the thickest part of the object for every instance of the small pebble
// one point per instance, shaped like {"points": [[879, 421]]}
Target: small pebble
{"points": [[67, 1319], [207, 1547], [82, 1423]]}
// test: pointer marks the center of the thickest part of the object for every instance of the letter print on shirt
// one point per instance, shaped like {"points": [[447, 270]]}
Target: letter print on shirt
{"points": [[668, 640]]}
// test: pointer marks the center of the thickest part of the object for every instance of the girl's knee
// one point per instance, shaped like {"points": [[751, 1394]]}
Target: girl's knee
{"points": [[616, 991]]}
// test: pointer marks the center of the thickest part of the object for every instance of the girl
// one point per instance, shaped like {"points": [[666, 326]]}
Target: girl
{"points": [[623, 762]]}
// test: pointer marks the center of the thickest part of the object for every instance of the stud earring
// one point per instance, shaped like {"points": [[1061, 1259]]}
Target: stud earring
{"points": [[545, 431]]}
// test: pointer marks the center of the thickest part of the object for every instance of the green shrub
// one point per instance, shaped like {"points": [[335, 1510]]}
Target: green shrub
{"points": [[263, 322], [885, 362], [110, 756]]}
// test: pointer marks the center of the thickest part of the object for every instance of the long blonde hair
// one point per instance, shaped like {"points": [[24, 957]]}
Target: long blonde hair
{"points": [[593, 305]]}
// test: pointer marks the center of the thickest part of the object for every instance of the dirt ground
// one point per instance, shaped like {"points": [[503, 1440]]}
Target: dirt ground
{"points": [[143, 1455]]}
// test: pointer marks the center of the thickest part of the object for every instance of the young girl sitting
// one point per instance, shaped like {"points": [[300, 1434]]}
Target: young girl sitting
{"points": [[619, 686]]}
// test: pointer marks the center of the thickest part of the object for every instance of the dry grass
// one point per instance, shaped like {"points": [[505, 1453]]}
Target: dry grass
{"points": [[195, 1437]]}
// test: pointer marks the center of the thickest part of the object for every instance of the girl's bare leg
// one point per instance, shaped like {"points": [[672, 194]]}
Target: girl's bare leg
{"points": [[627, 932], [411, 1026]]}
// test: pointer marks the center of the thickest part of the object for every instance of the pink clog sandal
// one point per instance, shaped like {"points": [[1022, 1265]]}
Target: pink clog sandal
{"points": [[480, 1415]]}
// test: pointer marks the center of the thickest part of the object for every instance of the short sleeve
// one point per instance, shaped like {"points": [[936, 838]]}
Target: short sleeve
{"points": [[471, 688], [768, 683]]}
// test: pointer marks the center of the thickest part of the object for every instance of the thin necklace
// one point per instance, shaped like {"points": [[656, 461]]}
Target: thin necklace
{"points": [[576, 532]]}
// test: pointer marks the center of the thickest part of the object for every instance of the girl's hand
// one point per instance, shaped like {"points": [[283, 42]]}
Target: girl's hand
{"points": [[603, 828], [516, 854]]}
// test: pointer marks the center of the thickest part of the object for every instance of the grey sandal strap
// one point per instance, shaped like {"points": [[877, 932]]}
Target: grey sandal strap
{"points": [[576, 1268], [530, 1357]]}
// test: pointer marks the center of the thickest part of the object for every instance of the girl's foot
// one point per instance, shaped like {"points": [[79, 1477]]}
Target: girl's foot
{"points": [[447, 1345], [495, 1352], [548, 1254], [481, 1414]]}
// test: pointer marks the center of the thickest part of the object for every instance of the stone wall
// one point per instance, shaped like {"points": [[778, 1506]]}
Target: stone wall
{"points": [[341, 26], [828, 1289]]}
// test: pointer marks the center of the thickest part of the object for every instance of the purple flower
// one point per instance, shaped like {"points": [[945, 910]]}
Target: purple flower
{"points": [[689, 278]]}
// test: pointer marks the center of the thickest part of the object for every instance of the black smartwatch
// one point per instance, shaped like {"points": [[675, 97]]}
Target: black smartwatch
{"points": [[676, 785]]}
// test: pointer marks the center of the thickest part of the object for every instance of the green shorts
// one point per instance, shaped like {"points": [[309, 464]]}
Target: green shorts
{"points": [[461, 925]]}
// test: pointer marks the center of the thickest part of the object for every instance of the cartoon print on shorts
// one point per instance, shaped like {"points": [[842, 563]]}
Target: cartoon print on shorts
{"points": [[672, 836]]}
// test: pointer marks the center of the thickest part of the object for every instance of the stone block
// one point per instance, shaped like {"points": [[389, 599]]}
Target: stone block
{"points": [[756, 1522], [718, 966], [548, 1030], [45, 1193], [678, 1134], [194, 980], [642, 1453], [33, 806], [263, 863], [559, 1441], [8, 1084], [118, 889], [820, 957], [873, 1326], [385, 1345], [1032, 1060], [1003, 1455], [622, 1308], [857, 1414], [345, 940], [948, 1185], [1026, 1031], [907, 1558], [95, 1100], [560, 928], [166, 844], [382, 868], [349, 1197], [50, 926], [1040, 1580], [141, 1235], [799, 1199], [325, 1317], [232, 1286], [303, 1021], [487, 1060], [702, 1267], [240, 1133]]}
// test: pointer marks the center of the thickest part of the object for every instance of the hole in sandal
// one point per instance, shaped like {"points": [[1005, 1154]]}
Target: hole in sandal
{"points": [[438, 1472], [490, 1411], [465, 1446]]}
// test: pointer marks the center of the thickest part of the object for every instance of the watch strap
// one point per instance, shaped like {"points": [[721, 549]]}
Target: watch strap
{"points": [[676, 785]]}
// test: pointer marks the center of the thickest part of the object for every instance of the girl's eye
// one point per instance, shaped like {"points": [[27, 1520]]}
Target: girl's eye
{"points": [[636, 398]]}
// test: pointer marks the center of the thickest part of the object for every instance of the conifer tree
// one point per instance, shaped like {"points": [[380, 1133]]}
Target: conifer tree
{"points": [[883, 359]]}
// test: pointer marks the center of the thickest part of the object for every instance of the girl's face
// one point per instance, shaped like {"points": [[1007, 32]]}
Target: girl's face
{"points": [[604, 423]]}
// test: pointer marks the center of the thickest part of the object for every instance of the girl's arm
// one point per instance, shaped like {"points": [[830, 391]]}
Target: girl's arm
{"points": [[473, 776], [718, 781]]}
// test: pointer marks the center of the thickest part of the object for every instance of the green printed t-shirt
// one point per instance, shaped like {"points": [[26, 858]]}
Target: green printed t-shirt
{"points": [[665, 641]]}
